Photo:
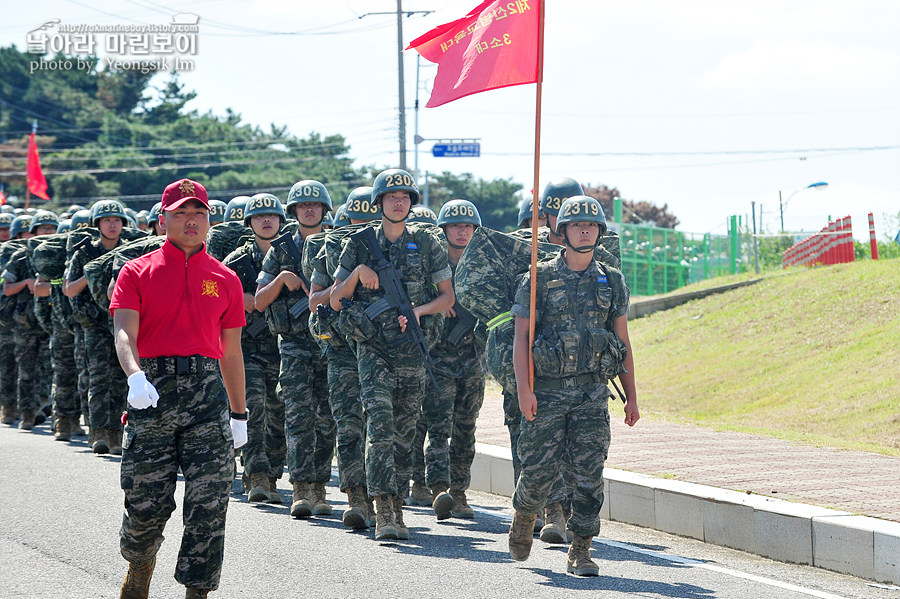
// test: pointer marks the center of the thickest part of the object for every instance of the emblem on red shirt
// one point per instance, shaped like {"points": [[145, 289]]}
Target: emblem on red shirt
{"points": [[210, 288], [186, 188]]}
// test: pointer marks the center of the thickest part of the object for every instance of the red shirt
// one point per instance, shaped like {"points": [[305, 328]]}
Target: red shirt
{"points": [[184, 303]]}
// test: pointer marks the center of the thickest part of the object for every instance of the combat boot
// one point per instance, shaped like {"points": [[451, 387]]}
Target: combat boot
{"points": [[137, 581], [193, 593], [259, 487], [421, 495], [402, 530], [384, 518], [521, 534], [443, 503], [357, 510], [27, 422], [555, 529], [318, 498], [461, 508], [300, 506], [579, 558], [10, 415], [274, 495], [39, 417], [370, 504], [101, 441], [63, 429], [115, 440], [75, 425]]}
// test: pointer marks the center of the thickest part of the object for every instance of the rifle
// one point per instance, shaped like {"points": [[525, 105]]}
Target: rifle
{"points": [[244, 268], [91, 250], [464, 323], [289, 246], [395, 297]]}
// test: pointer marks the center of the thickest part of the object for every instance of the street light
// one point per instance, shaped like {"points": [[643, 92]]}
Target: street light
{"points": [[781, 207]]}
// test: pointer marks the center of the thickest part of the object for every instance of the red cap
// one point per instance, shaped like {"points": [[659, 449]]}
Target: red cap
{"points": [[181, 191]]}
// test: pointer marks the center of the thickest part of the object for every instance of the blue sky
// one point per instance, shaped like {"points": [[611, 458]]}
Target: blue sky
{"points": [[705, 106]]}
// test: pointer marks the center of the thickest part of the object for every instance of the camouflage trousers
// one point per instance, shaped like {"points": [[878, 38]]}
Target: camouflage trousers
{"points": [[572, 425], [346, 407], [8, 371], [266, 448], [83, 379], [65, 392], [392, 392], [108, 386], [29, 385], [561, 492], [303, 386], [189, 429], [448, 416]]}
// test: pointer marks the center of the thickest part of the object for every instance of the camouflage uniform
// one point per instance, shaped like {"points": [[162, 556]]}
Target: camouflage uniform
{"points": [[392, 376], [343, 373], [188, 430], [266, 448], [571, 338], [27, 335], [449, 413], [303, 379], [107, 385]]}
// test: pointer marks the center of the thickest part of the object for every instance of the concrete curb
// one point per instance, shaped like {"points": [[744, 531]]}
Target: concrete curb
{"points": [[773, 528], [646, 306]]}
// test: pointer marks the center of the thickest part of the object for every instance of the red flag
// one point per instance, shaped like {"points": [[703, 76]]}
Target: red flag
{"points": [[495, 45], [2, 198], [36, 182]]}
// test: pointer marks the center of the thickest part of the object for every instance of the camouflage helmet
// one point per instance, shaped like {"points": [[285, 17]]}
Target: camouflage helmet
{"points": [[328, 220], [308, 190], [81, 218], [41, 218], [394, 179], [581, 209], [64, 226], [459, 212], [217, 211], [359, 205], [31, 211], [264, 203], [105, 208], [75, 208], [7, 209], [526, 211], [6, 220], [340, 216], [153, 217], [141, 217], [234, 210], [422, 214], [20, 224], [556, 192]]}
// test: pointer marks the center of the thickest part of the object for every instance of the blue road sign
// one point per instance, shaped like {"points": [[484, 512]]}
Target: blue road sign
{"points": [[471, 150]]}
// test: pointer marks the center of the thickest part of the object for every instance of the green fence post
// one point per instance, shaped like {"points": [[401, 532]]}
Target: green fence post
{"points": [[617, 210], [735, 244]]}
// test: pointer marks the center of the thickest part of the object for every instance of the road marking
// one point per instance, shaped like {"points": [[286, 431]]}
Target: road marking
{"points": [[695, 563]]}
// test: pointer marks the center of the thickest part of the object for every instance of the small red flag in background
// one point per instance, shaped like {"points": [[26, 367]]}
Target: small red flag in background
{"points": [[37, 184], [2, 198], [494, 46]]}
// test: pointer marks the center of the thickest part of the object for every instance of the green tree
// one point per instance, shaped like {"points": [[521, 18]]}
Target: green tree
{"points": [[496, 200]]}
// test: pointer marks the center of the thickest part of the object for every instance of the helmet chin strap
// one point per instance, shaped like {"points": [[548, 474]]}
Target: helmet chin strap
{"points": [[582, 249], [396, 222], [454, 246]]}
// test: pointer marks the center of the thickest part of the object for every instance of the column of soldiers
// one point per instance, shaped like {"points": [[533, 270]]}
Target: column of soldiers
{"points": [[356, 345]]}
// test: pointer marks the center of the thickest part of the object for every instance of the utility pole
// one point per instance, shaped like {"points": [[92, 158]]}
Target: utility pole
{"points": [[400, 71]]}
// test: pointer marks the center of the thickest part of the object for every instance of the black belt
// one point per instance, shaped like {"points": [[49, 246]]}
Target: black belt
{"points": [[178, 365], [569, 382]]}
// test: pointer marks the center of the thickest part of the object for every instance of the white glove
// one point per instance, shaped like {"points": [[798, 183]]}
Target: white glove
{"points": [[239, 432], [141, 392]]}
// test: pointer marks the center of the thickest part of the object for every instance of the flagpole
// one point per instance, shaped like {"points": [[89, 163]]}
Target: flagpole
{"points": [[27, 189], [535, 203]]}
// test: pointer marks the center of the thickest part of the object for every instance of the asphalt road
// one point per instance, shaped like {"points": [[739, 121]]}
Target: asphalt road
{"points": [[61, 511]]}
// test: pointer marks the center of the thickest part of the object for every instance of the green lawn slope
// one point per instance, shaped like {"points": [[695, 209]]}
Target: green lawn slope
{"points": [[812, 356]]}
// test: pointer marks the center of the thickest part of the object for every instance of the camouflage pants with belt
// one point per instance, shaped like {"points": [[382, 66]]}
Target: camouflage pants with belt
{"points": [[189, 429], [108, 385], [579, 417], [346, 407], [28, 349], [448, 416], [303, 386], [392, 392], [65, 392], [512, 417], [83, 379], [266, 448], [8, 372]]}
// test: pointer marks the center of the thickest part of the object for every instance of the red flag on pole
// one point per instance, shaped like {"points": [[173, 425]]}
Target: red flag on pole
{"points": [[37, 184], [494, 46], [2, 197]]}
